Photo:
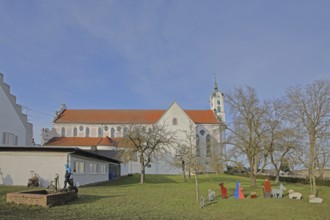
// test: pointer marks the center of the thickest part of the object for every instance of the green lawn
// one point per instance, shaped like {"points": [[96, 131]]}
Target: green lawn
{"points": [[168, 197]]}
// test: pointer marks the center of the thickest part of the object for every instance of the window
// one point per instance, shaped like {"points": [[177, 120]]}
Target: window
{"points": [[174, 121], [106, 128], [208, 146], [100, 132], [103, 168], [118, 128], [81, 128], [125, 131], [112, 132], [93, 168], [202, 132], [87, 132], [218, 102], [144, 129], [9, 139], [75, 132], [78, 167], [63, 132]]}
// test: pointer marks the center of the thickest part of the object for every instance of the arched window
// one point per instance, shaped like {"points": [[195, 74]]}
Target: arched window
{"points": [[208, 146], [174, 121], [63, 132], [144, 129], [197, 146], [112, 132], [218, 102], [100, 132], [75, 132], [87, 132], [125, 131]]}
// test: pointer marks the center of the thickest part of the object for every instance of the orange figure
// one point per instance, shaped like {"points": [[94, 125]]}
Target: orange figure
{"points": [[238, 191]]}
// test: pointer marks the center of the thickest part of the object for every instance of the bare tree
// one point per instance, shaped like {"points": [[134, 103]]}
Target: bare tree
{"points": [[280, 137], [309, 108], [248, 132], [181, 159], [147, 144], [188, 153], [323, 156]]}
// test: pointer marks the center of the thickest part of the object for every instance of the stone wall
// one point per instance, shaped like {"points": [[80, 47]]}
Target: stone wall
{"points": [[41, 198]]}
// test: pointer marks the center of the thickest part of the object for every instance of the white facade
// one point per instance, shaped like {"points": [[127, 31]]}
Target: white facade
{"points": [[15, 130], [16, 166]]}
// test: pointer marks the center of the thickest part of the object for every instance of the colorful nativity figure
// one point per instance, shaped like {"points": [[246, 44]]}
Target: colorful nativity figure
{"points": [[68, 179], [267, 188], [67, 175], [238, 191], [223, 191]]}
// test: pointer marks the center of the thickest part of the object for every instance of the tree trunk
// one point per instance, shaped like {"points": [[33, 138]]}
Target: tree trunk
{"points": [[196, 185], [277, 179], [184, 171], [253, 172], [312, 162], [142, 174], [143, 168], [277, 176], [253, 180]]}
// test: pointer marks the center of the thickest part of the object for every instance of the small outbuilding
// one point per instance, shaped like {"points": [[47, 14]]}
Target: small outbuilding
{"points": [[18, 164]]}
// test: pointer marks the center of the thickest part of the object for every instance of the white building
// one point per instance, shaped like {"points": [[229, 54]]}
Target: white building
{"points": [[18, 164], [206, 125], [15, 130]]}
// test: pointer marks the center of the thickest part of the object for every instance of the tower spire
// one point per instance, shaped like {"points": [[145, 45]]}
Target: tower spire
{"points": [[215, 84]]}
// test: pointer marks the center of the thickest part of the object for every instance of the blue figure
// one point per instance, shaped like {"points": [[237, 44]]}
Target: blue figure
{"points": [[67, 168], [238, 191], [67, 175], [236, 194]]}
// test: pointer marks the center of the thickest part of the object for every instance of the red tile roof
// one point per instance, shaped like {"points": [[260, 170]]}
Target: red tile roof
{"points": [[110, 116], [129, 116], [202, 116], [80, 141]]}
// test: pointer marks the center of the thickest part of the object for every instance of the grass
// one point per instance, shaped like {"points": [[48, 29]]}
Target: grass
{"points": [[168, 197]]}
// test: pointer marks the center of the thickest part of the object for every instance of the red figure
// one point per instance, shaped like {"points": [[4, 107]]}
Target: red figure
{"points": [[267, 188], [223, 191]]}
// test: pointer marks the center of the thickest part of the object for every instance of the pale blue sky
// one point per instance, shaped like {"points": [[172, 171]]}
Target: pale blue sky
{"points": [[146, 54]]}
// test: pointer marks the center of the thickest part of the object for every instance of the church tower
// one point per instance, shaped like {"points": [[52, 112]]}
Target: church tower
{"points": [[217, 103]]}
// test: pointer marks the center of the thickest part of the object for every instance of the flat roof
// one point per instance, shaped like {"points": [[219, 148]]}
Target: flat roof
{"points": [[72, 150]]}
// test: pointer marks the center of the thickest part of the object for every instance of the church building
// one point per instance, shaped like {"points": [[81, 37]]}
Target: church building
{"points": [[99, 130]]}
